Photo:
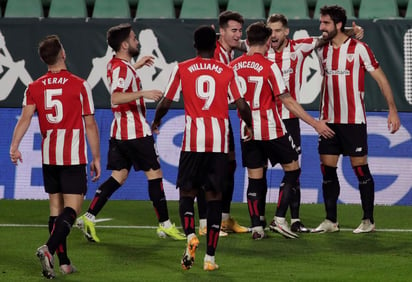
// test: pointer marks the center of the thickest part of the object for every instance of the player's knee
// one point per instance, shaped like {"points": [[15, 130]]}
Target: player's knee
{"points": [[329, 173]]}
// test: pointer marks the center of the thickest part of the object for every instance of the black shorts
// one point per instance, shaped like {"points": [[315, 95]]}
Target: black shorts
{"points": [[349, 140], [65, 179], [140, 152], [293, 128], [206, 171], [256, 153]]}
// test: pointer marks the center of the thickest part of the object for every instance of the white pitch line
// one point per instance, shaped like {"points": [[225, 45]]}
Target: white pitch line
{"points": [[154, 227]]}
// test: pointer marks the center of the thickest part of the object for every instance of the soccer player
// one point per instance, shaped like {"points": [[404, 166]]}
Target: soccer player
{"points": [[289, 55], [262, 84], [131, 141], [206, 85], [344, 61], [230, 29], [65, 109]]}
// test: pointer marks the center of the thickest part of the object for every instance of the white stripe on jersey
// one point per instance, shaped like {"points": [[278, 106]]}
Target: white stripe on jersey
{"points": [[271, 124], [46, 146], [187, 133], [257, 130], [200, 136], [61, 134], [89, 95], [131, 133], [217, 136], [75, 147]]}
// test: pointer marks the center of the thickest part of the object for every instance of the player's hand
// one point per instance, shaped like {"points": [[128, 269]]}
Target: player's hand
{"points": [[15, 157], [394, 123], [155, 126], [248, 132], [358, 31], [323, 129], [95, 170], [144, 61], [155, 95]]}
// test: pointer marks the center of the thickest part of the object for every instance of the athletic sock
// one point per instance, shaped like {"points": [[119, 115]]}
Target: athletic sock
{"points": [[61, 250], [103, 193], [331, 190], [214, 218], [158, 198], [367, 190], [61, 230], [187, 214], [285, 191]]}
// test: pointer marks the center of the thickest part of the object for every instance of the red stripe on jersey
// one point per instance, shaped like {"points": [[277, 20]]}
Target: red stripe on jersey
{"points": [[335, 83], [350, 95]]}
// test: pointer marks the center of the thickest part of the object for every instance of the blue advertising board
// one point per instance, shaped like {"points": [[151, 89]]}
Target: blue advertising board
{"points": [[390, 160]]}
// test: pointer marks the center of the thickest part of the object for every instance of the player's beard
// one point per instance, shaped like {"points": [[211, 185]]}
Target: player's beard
{"points": [[329, 35], [133, 52]]}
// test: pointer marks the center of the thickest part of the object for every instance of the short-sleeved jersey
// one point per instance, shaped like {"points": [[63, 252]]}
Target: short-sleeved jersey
{"points": [[290, 60], [261, 83], [61, 100], [129, 119], [344, 85], [222, 55], [207, 86]]}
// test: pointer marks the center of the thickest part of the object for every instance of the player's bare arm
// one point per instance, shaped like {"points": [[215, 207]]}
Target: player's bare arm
{"points": [[92, 133], [394, 122], [246, 115], [144, 61], [119, 98], [19, 131], [319, 125], [161, 110]]}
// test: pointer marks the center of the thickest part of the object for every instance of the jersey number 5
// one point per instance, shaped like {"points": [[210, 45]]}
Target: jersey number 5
{"points": [[52, 103]]}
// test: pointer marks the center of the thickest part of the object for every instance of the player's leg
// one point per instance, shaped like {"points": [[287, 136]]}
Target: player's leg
{"points": [[229, 224]]}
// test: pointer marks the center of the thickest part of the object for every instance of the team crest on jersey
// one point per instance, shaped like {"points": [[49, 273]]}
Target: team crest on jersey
{"points": [[120, 82], [350, 58], [293, 56]]}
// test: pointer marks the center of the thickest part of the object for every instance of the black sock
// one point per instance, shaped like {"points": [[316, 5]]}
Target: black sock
{"points": [[201, 204], [214, 218], [103, 193], [61, 230], [331, 190], [158, 198], [264, 190], [285, 192], [367, 190], [187, 214], [295, 201], [61, 249], [254, 195], [230, 186]]}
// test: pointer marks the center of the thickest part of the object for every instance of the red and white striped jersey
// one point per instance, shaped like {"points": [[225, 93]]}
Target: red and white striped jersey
{"points": [[344, 85], [261, 83], [290, 61], [61, 100], [222, 55], [207, 86], [129, 119]]}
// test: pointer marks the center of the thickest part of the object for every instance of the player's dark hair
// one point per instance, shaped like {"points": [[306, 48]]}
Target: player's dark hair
{"points": [[205, 38], [258, 33], [49, 49], [226, 16], [336, 13], [273, 18], [117, 34]]}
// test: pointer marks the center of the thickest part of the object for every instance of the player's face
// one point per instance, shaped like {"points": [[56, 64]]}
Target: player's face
{"points": [[231, 34], [279, 35], [327, 27], [133, 45]]}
